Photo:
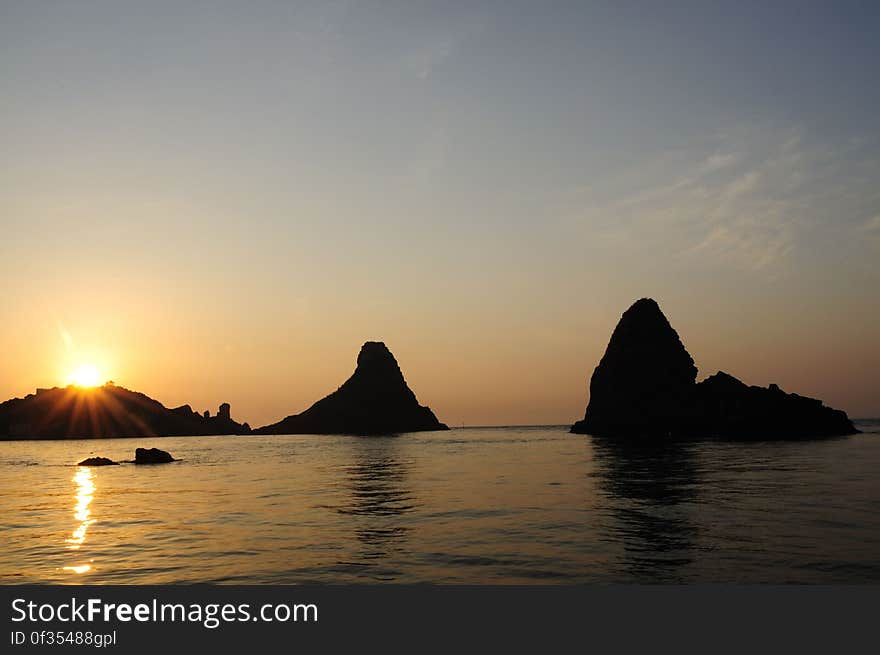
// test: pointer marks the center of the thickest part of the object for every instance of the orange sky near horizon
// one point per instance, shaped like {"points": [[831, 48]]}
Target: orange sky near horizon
{"points": [[469, 373]]}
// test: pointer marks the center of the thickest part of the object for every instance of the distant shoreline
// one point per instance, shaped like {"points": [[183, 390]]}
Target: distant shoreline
{"points": [[559, 426]]}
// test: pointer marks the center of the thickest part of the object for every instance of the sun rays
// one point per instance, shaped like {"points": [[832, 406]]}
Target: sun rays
{"points": [[86, 375]]}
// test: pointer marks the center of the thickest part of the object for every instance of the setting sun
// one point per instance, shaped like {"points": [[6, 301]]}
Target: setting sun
{"points": [[85, 376]]}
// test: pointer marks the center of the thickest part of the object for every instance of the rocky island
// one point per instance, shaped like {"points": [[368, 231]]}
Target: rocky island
{"points": [[374, 400], [645, 385], [106, 411]]}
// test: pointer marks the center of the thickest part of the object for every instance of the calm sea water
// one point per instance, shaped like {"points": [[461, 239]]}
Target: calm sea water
{"points": [[490, 505]]}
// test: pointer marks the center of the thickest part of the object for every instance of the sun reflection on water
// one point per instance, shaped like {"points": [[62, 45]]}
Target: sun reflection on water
{"points": [[82, 568], [85, 493]]}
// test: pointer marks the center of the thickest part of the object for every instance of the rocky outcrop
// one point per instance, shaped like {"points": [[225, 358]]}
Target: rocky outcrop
{"points": [[152, 456], [644, 377], [730, 408], [107, 411], [645, 385], [97, 461], [374, 400]]}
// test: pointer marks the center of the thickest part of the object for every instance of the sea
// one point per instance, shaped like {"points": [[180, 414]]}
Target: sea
{"points": [[501, 505]]}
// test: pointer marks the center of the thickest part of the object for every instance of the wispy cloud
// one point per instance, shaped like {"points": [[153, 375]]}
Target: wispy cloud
{"points": [[869, 231], [871, 226], [425, 59], [435, 49], [749, 199], [66, 338]]}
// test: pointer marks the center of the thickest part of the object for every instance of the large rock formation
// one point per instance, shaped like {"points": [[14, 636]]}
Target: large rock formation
{"points": [[374, 400], [645, 385], [107, 411], [730, 408], [644, 377]]}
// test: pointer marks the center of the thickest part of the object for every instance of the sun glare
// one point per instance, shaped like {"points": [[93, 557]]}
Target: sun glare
{"points": [[86, 376]]}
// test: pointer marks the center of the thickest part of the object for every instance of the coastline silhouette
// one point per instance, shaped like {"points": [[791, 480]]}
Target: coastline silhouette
{"points": [[104, 412]]}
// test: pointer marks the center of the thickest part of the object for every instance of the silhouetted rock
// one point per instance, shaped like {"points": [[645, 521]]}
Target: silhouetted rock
{"points": [[374, 400], [644, 376], [730, 408], [151, 456], [97, 461], [645, 385], [107, 411]]}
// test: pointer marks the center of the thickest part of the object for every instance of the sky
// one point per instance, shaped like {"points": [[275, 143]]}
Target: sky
{"points": [[220, 202]]}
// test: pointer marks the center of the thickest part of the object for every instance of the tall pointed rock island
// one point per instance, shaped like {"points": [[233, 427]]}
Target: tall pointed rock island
{"points": [[374, 400], [645, 385], [642, 382]]}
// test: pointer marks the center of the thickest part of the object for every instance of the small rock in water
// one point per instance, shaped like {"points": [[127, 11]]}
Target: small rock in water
{"points": [[151, 456], [97, 461]]}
